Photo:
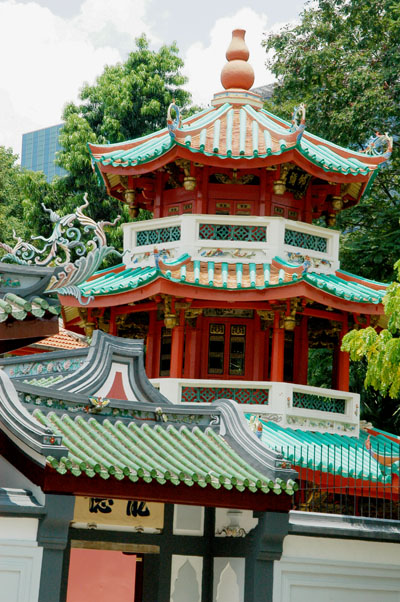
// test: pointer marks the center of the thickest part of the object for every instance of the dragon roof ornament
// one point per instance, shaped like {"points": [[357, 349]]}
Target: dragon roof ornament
{"points": [[380, 145], [66, 238]]}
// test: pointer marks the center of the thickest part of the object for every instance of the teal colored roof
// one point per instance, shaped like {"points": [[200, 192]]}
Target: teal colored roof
{"points": [[180, 455], [233, 276], [236, 132], [337, 454], [18, 308]]}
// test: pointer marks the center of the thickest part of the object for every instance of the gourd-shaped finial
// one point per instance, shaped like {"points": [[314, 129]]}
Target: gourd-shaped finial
{"points": [[237, 73]]}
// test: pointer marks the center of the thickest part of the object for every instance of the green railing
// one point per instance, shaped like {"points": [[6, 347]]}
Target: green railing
{"points": [[210, 394], [318, 402], [306, 241], [230, 232], [158, 236]]}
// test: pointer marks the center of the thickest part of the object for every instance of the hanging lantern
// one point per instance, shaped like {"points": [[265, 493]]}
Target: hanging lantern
{"points": [[337, 203], [279, 187], [289, 322], [130, 198], [170, 321], [189, 182]]}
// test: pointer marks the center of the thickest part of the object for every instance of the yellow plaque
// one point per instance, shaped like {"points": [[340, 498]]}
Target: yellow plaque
{"points": [[123, 513]]}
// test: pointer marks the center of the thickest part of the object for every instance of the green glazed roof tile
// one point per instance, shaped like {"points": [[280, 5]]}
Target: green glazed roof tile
{"points": [[328, 452], [237, 276], [164, 453], [240, 132]]}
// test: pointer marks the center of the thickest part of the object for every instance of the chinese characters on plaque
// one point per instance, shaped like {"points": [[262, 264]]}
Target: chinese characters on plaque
{"points": [[126, 513]]}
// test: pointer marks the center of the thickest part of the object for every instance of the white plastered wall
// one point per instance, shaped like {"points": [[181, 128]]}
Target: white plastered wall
{"points": [[20, 559], [318, 569]]}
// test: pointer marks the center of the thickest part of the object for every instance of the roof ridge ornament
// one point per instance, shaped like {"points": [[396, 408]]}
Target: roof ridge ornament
{"points": [[66, 238], [237, 72], [376, 146], [299, 123], [173, 124]]}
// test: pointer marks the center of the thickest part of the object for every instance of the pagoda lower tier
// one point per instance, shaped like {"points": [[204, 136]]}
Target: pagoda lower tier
{"points": [[233, 313]]}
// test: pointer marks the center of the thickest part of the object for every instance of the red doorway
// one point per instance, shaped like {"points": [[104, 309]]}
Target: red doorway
{"points": [[103, 575]]}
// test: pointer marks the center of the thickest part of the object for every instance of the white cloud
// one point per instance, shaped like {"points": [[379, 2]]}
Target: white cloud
{"points": [[46, 59], [203, 64]]}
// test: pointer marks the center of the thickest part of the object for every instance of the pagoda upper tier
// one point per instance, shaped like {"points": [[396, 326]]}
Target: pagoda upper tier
{"points": [[273, 166]]}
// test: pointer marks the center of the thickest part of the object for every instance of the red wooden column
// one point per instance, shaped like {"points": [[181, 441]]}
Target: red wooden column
{"points": [[158, 194], [177, 345], [157, 348], [278, 349], [300, 352], [150, 347], [113, 322], [259, 349], [343, 361], [190, 351]]}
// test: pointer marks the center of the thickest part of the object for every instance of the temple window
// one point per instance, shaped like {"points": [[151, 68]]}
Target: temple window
{"points": [[216, 348], [237, 348], [165, 351], [226, 350]]}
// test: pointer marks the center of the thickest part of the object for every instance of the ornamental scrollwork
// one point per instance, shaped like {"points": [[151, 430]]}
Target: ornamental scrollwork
{"points": [[173, 124], [299, 120], [56, 250], [380, 146]]}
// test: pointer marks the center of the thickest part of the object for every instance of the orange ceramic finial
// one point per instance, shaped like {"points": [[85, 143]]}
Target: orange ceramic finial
{"points": [[237, 73]]}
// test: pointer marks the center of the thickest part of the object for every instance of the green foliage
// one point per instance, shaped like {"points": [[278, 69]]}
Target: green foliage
{"points": [[380, 350], [343, 61], [320, 367], [128, 100], [379, 409], [11, 214]]}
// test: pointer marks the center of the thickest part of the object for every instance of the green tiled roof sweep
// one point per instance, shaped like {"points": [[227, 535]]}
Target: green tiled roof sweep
{"points": [[237, 133], [121, 449], [246, 277], [337, 454], [16, 307]]}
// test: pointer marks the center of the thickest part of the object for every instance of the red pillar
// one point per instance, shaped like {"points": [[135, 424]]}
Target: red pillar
{"points": [[278, 350], [300, 352], [190, 349], [343, 362], [150, 345], [259, 350], [158, 195], [113, 322], [177, 344], [157, 349]]}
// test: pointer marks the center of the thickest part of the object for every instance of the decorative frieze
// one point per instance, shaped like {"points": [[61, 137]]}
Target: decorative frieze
{"points": [[158, 236]]}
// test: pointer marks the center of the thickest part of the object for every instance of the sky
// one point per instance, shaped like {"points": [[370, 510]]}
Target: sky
{"points": [[50, 48]]}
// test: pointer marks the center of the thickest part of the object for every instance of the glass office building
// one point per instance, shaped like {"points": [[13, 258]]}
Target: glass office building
{"points": [[39, 150]]}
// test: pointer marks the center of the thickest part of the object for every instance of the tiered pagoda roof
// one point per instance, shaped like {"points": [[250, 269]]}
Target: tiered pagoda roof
{"points": [[237, 132], [240, 133], [238, 276]]}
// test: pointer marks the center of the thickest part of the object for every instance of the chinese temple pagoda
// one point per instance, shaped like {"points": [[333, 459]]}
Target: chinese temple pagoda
{"points": [[199, 464], [230, 283]]}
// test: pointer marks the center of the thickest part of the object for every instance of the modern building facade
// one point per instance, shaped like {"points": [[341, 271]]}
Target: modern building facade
{"points": [[39, 150]]}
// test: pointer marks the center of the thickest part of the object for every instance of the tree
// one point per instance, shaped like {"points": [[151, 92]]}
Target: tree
{"points": [[343, 61], [128, 100], [380, 351], [11, 211], [22, 193]]}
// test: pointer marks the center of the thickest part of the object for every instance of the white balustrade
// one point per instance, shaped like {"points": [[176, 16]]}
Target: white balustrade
{"points": [[289, 405], [290, 240]]}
